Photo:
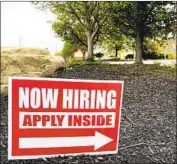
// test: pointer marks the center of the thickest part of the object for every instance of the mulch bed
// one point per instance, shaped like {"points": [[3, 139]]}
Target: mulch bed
{"points": [[148, 120]]}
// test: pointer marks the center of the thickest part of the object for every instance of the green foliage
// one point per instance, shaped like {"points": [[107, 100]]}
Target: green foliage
{"points": [[99, 55], [114, 40], [68, 50], [154, 50], [156, 55], [153, 55], [141, 20], [152, 46], [171, 55], [79, 22], [152, 19], [114, 24], [75, 62], [112, 59], [58, 53]]}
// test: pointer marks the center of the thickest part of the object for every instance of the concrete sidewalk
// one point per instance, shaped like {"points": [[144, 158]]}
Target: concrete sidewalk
{"points": [[162, 62]]}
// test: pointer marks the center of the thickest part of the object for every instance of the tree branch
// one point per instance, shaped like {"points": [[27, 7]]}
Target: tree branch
{"points": [[76, 15], [77, 37], [95, 32]]}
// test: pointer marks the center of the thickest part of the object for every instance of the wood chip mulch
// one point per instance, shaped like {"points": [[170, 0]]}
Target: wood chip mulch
{"points": [[148, 118]]}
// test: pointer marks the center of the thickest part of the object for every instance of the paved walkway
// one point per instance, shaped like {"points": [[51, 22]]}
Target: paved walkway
{"points": [[162, 62]]}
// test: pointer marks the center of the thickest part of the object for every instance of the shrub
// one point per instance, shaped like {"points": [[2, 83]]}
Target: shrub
{"points": [[112, 59], [153, 55], [162, 56], [99, 55], [150, 55], [129, 56], [74, 62], [171, 55], [58, 53]]}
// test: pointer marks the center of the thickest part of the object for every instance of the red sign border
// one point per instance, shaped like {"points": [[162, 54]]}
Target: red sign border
{"points": [[10, 78]]}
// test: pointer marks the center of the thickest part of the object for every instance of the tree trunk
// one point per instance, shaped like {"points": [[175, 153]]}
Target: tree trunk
{"points": [[90, 48], [84, 56], [116, 51], [139, 49]]}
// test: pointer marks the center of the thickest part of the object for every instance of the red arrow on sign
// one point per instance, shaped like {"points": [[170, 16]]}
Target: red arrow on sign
{"points": [[98, 140]]}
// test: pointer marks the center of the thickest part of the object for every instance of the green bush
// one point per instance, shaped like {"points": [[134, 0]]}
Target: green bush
{"points": [[156, 55], [171, 55], [113, 59], [99, 55], [74, 62], [150, 55], [58, 53]]}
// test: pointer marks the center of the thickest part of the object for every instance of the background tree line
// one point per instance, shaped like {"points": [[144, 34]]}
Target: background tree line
{"points": [[113, 24]]}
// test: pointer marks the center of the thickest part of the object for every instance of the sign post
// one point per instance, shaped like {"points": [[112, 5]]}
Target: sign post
{"points": [[50, 117]]}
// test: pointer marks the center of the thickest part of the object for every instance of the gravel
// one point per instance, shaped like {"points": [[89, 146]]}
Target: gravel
{"points": [[148, 120]]}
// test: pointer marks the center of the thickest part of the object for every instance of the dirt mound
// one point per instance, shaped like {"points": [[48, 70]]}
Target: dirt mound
{"points": [[23, 51], [28, 64]]}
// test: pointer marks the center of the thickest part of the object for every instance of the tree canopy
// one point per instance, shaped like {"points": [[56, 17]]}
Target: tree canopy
{"points": [[113, 23], [68, 50], [144, 19], [80, 22]]}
